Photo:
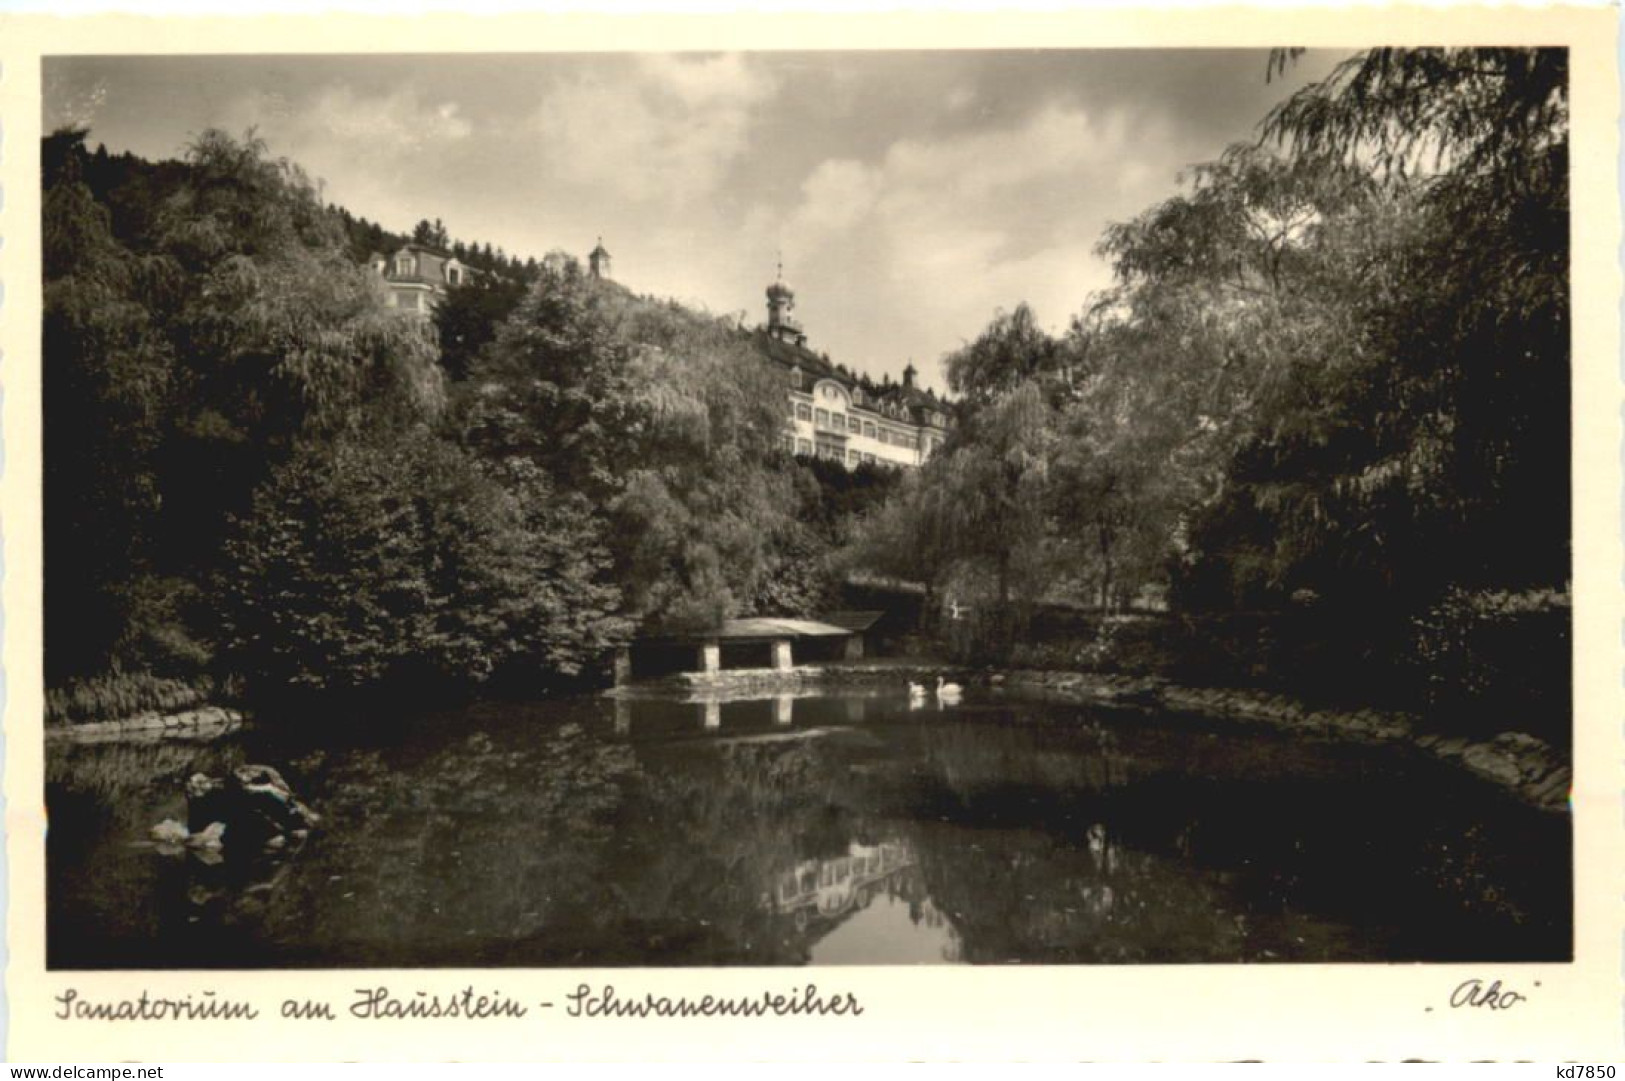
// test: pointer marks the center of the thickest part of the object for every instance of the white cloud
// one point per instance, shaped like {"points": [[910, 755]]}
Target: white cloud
{"points": [[668, 131], [339, 122], [838, 194], [393, 155], [933, 237]]}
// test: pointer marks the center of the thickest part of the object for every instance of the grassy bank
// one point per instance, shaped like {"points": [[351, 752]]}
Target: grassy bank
{"points": [[117, 695]]}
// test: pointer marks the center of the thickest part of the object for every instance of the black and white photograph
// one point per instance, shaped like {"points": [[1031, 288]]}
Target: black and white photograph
{"points": [[1009, 507]]}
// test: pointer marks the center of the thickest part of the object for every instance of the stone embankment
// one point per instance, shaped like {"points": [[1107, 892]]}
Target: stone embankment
{"points": [[804, 679], [814, 676], [1521, 764], [203, 722]]}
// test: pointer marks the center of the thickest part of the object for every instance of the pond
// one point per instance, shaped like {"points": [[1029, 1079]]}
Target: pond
{"points": [[824, 830]]}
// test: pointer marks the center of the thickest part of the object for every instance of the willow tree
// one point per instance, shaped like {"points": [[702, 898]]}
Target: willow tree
{"points": [[984, 507], [107, 376], [1010, 352], [1356, 339], [1243, 327], [707, 517], [1480, 350]]}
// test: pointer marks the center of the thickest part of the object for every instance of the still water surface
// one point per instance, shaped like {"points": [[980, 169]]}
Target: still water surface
{"points": [[827, 830]]}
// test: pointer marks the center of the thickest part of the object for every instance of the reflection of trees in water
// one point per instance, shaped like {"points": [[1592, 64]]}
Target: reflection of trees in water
{"points": [[969, 758], [1052, 883], [540, 844], [714, 830], [1030, 898], [129, 781], [473, 850], [111, 897], [1159, 844]]}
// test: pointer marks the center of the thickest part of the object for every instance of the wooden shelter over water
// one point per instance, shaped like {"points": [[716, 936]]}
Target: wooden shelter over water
{"points": [[758, 642]]}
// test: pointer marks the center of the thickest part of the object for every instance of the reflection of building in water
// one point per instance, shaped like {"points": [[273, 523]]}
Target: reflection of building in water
{"points": [[831, 887], [869, 906]]}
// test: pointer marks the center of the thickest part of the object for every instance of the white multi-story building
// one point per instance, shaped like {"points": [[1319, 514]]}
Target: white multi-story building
{"points": [[835, 414]]}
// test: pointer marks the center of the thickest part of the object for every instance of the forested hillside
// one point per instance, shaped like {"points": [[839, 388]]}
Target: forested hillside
{"points": [[258, 478]]}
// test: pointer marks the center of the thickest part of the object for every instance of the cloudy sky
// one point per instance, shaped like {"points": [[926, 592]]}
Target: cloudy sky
{"points": [[911, 194]]}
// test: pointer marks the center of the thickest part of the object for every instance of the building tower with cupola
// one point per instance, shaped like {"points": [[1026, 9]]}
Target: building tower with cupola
{"points": [[781, 306], [598, 260]]}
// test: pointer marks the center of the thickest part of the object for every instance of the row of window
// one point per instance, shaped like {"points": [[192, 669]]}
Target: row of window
{"points": [[825, 421], [831, 451], [406, 266], [798, 381]]}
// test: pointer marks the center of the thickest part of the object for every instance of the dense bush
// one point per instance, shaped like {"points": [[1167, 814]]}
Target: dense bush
{"points": [[1497, 661]]}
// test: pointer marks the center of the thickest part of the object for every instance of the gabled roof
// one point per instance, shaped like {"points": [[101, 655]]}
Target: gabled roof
{"points": [[913, 400], [798, 356], [856, 622], [430, 270], [427, 249], [773, 627]]}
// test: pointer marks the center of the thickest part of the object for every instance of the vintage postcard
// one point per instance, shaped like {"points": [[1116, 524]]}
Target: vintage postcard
{"points": [[935, 536]]}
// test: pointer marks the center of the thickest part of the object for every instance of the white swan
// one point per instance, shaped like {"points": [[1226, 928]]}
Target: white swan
{"points": [[948, 692], [915, 691]]}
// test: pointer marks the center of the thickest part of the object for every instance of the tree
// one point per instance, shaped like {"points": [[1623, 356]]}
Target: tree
{"points": [[976, 519], [107, 379], [556, 386], [1242, 317], [1353, 351], [660, 422], [229, 329], [282, 337], [467, 318], [1480, 340], [1011, 351], [706, 521], [402, 564], [430, 234]]}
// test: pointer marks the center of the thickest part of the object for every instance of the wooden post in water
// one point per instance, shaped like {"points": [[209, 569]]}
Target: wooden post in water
{"points": [[781, 654], [710, 657], [783, 709], [713, 713], [854, 647]]}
